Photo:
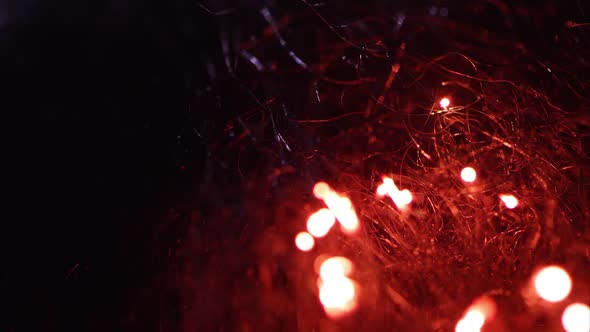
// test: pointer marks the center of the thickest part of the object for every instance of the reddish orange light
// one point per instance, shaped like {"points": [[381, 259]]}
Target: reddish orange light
{"points": [[401, 198], [304, 241], [509, 200], [335, 267], [481, 311], [553, 284], [338, 296], [386, 187], [340, 206], [472, 321], [468, 174], [319, 223], [321, 189], [576, 318], [337, 292]]}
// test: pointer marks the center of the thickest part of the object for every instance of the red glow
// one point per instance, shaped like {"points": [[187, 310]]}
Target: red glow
{"points": [[337, 292], [304, 241], [340, 206], [401, 198], [319, 223], [576, 318], [553, 284]]}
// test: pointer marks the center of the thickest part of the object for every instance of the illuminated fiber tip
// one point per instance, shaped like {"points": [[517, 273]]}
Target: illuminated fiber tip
{"points": [[445, 102], [468, 174], [304, 241], [509, 200], [472, 321], [321, 189], [553, 284], [319, 223], [576, 318]]}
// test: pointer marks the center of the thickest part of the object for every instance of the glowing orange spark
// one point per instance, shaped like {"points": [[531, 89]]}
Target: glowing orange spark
{"points": [[319, 223], [576, 318], [304, 241], [553, 284], [445, 102], [468, 174], [509, 200]]}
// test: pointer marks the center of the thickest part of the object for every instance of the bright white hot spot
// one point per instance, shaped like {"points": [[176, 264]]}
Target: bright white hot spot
{"points": [[386, 187], [576, 318], [401, 198], [321, 189], [320, 222], [509, 200], [341, 207], [472, 321], [335, 267], [468, 174], [337, 292], [552, 283], [304, 241]]}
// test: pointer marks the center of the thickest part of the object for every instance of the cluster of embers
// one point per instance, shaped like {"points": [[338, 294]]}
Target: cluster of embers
{"points": [[338, 292]]}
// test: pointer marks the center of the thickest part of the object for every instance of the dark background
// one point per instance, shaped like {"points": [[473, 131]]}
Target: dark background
{"points": [[94, 97], [94, 94]]}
